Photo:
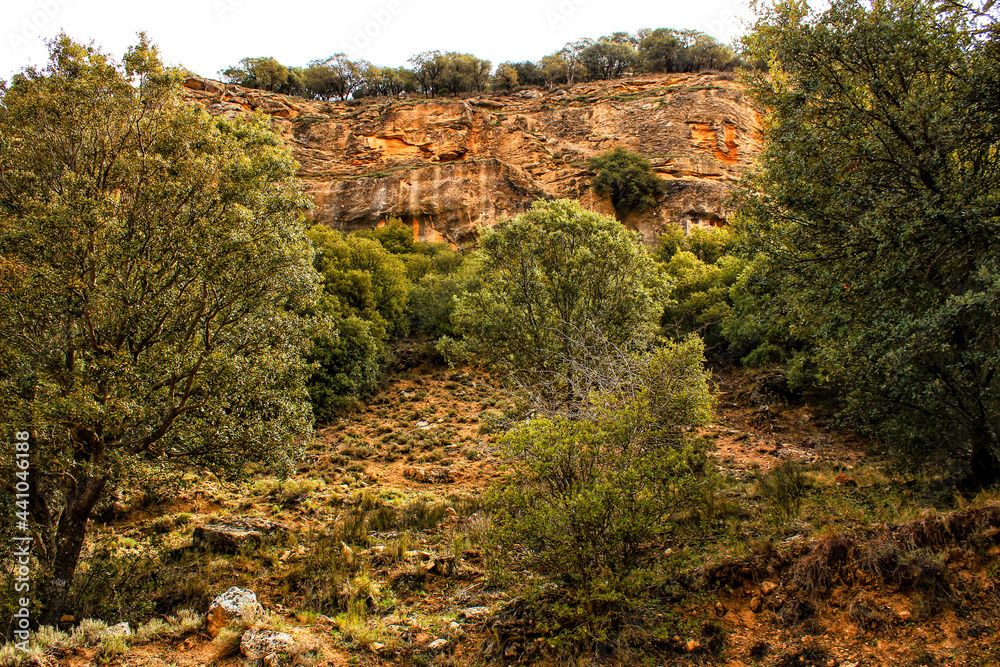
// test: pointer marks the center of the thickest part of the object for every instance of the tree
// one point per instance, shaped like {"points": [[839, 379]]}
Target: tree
{"points": [[155, 261], [366, 294], [660, 50], [266, 74], [608, 58], [557, 285], [506, 77], [876, 208], [428, 70], [627, 178], [386, 82], [334, 77]]}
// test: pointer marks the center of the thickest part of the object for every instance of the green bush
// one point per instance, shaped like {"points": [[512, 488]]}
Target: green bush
{"points": [[703, 272], [627, 178], [366, 297], [589, 500]]}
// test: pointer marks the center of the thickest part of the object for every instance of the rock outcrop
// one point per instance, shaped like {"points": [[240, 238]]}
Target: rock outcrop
{"points": [[447, 167]]}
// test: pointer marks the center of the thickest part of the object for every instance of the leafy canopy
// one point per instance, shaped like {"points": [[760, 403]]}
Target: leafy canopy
{"points": [[627, 178], [153, 263], [554, 286], [876, 208]]}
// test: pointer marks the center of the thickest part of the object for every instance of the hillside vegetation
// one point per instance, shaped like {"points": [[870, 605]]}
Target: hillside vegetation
{"points": [[246, 438]]}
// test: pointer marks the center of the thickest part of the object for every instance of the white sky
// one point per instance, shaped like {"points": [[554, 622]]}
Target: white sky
{"points": [[208, 35]]}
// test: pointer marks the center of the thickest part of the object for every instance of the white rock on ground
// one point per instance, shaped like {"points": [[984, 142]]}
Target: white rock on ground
{"points": [[236, 603], [122, 628], [258, 644]]}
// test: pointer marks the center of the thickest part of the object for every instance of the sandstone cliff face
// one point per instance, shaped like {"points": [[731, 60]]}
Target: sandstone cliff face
{"points": [[447, 167]]}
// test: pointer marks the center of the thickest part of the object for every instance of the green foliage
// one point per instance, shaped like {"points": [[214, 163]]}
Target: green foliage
{"points": [[451, 73], [703, 272], [667, 50], [363, 279], [553, 287], [335, 77], [366, 292], [154, 262], [349, 366], [267, 74], [609, 57], [876, 210], [590, 500], [434, 269], [627, 178]]}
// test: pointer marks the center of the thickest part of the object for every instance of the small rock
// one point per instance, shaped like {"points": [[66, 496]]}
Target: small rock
{"points": [[473, 612], [236, 603], [904, 616], [258, 644], [437, 644], [756, 604], [120, 629], [720, 609], [844, 480], [767, 587], [693, 646], [377, 646]]}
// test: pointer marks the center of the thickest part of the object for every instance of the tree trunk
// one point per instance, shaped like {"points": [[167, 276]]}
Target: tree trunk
{"points": [[985, 469], [70, 534]]}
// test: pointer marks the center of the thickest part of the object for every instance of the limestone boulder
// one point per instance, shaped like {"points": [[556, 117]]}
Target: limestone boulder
{"points": [[235, 604]]}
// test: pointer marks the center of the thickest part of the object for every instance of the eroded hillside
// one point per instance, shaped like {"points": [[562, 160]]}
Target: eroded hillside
{"points": [[450, 166]]}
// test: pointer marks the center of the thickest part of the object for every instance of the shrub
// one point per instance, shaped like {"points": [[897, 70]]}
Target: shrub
{"points": [[627, 178], [589, 500]]}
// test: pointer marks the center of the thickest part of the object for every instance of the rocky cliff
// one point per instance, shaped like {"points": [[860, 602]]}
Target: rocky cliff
{"points": [[450, 166]]}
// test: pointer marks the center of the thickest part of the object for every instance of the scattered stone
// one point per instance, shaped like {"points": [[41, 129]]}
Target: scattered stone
{"points": [[843, 480], [437, 644], [259, 644], [473, 612], [692, 646], [122, 628], [767, 587], [236, 603], [234, 534], [756, 604], [720, 609]]}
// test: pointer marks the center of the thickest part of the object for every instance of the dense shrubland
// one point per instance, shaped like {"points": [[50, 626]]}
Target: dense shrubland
{"points": [[438, 73]]}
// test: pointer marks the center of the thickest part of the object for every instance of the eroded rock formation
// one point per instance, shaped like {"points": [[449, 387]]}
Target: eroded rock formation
{"points": [[447, 167]]}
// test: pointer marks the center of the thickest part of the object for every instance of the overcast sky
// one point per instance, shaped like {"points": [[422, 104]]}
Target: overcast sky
{"points": [[208, 35]]}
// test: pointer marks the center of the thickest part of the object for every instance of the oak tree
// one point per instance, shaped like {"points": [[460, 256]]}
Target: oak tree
{"points": [[154, 263]]}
